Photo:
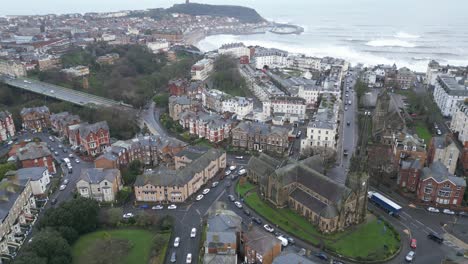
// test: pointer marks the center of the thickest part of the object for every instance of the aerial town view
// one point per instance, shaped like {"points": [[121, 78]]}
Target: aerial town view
{"points": [[226, 132]]}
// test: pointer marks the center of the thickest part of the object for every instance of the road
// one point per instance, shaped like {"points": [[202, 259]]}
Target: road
{"points": [[77, 167], [349, 133], [62, 93], [150, 117]]}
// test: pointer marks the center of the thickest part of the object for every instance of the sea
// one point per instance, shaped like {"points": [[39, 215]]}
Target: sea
{"points": [[406, 32]]}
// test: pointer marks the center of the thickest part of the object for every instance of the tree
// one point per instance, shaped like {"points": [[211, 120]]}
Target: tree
{"points": [[111, 217], [50, 245], [226, 76], [29, 257], [131, 173], [80, 214], [6, 167], [124, 195]]}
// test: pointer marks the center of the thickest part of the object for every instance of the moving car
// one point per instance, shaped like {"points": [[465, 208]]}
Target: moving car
{"points": [[345, 152], [239, 157], [238, 204], [128, 215], [65, 182], [172, 207], [62, 187], [433, 210], [214, 184], [193, 233], [206, 191], [173, 257], [448, 211], [77, 161], [348, 123], [189, 258], [413, 243], [410, 256], [268, 228], [199, 197], [176, 242], [157, 207]]}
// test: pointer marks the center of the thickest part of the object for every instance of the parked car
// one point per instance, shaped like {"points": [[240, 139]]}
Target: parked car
{"points": [[53, 201], [269, 228], [193, 233], [242, 172], [433, 210], [439, 132], [62, 187], [348, 123], [157, 207], [448, 211], [246, 212], [345, 152], [228, 184], [257, 220], [238, 204], [413, 243], [55, 153], [231, 198], [199, 197], [172, 207], [65, 150], [70, 156], [410, 256], [65, 182], [206, 191], [321, 256], [436, 237], [77, 161], [298, 135], [463, 214], [144, 206], [291, 240], [227, 173], [176, 242], [60, 146], [239, 157], [214, 184], [128, 215], [189, 258], [233, 167]]}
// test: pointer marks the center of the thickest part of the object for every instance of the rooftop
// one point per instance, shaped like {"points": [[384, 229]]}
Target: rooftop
{"points": [[33, 150], [97, 175], [451, 86]]}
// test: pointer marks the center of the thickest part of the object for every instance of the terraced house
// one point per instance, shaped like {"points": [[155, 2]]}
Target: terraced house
{"points": [[35, 118], [18, 212], [260, 137], [165, 185], [99, 184], [304, 187], [7, 127]]}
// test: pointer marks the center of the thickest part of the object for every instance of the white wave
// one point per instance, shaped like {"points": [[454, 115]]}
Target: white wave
{"points": [[319, 50], [405, 35], [390, 43]]}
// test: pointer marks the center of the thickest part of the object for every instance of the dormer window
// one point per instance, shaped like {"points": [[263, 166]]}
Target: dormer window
{"points": [[414, 148], [405, 147]]}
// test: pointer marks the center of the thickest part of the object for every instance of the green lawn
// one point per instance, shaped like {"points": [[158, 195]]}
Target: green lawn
{"points": [[369, 241], [365, 242], [123, 246], [422, 131], [242, 189], [285, 218]]}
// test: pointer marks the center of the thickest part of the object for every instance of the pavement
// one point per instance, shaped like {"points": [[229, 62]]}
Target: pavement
{"points": [[150, 117], [349, 133]]}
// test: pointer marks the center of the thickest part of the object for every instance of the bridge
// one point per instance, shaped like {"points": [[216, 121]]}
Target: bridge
{"points": [[62, 93]]}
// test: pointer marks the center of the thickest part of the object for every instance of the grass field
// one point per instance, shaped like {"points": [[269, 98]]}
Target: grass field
{"points": [[365, 242], [242, 189], [124, 246], [369, 241], [422, 131]]}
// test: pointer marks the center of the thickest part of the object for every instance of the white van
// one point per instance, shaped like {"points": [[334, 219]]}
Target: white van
{"points": [[241, 172], [67, 161], [284, 241]]}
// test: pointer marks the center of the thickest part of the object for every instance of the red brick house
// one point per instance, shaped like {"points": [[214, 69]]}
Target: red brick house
{"points": [[464, 158], [407, 146], [36, 154], [94, 138], [60, 123], [178, 87], [408, 174], [438, 186], [36, 118], [7, 127], [260, 246]]}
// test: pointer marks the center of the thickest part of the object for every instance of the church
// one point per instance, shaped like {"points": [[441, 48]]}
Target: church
{"points": [[304, 187]]}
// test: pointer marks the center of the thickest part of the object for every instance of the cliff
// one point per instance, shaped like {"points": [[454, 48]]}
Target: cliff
{"points": [[244, 14]]}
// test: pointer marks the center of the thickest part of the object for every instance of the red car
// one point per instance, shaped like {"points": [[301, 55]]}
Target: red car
{"points": [[413, 243]]}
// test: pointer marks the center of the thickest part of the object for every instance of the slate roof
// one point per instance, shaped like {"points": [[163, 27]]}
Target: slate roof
{"points": [[254, 128], [181, 100], [192, 152], [440, 173], [26, 174], [308, 200], [9, 192], [164, 176], [259, 240], [4, 115], [33, 150], [224, 221], [97, 175], [411, 164], [40, 109], [85, 130]]}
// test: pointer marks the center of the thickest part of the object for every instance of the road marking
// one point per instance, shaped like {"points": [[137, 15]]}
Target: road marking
{"points": [[419, 222]]}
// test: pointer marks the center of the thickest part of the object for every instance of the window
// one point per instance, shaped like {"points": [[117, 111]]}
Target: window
{"points": [[98, 189]]}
